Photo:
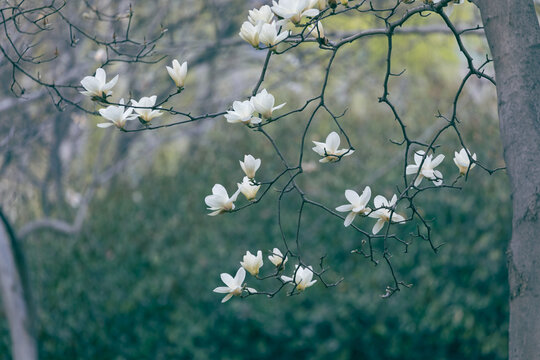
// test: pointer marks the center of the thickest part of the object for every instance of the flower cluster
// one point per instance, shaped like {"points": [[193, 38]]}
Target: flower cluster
{"points": [[424, 166], [98, 89], [266, 27], [384, 212], [262, 103], [220, 202], [302, 277], [262, 28]]}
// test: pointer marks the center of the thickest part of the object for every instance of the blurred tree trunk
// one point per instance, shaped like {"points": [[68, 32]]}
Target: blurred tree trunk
{"points": [[15, 296], [513, 34]]}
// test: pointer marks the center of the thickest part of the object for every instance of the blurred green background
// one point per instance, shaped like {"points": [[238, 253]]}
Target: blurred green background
{"points": [[136, 282]]}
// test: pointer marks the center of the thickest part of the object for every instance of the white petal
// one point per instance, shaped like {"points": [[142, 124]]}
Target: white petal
{"points": [[222, 290], [380, 201], [437, 160], [345, 208], [218, 189], [378, 226], [349, 219], [411, 169], [366, 195], [228, 280], [240, 276], [226, 298], [418, 180], [418, 156], [332, 142], [352, 196]]}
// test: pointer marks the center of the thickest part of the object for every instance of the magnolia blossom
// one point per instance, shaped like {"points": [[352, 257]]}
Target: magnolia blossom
{"points": [[462, 160], [427, 170], [178, 72], [357, 204], [220, 201], [146, 114], [97, 86], [252, 263], [262, 15], [250, 32], [382, 212], [269, 34], [277, 258], [263, 103], [302, 277], [117, 115], [293, 10], [329, 149], [250, 165], [317, 31], [242, 112], [248, 189], [234, 285]]}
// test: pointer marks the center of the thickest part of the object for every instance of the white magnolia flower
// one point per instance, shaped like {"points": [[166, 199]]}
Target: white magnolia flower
{"points": [[263, 103], [302, 277], [293, 10], [329, 149], [250, 165], [269, 34], [251, 33], [462, 160], [242, 112], [382, 212], [357, 204], [262, 15], [248, 189], [178, 72], [277, 258], [317, 31], [427, 170], [220, 201], [146, 102], [234, 285], [97, 85], [117, 115], [252, 263]]}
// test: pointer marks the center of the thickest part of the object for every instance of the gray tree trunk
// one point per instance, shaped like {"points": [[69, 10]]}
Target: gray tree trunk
{"points": [[15, 297], [513, 34]]}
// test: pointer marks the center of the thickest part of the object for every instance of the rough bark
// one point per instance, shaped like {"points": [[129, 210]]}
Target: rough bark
{"points": [[513, 34], [15, 296]]}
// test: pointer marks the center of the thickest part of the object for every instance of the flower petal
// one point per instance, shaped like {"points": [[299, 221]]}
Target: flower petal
{"points": [[378, 226]]}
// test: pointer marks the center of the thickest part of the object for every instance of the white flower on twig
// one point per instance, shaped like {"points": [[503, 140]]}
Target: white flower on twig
{"points": [[97, 86], [383, 212], [329, 149], [428, 168], [117, 115], [234, 285], [302, 277], [252, 263], [220, 201], [357, 204]]}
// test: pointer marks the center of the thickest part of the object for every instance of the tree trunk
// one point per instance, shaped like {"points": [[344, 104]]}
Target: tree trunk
{"points": [[513, 34], [15, 296]]}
